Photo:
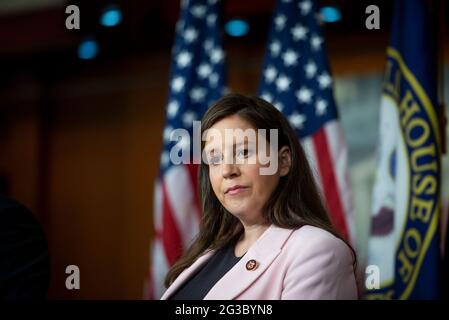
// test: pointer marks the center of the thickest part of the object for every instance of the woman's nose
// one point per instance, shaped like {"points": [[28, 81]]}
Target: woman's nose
{"points": [[230, 170]]}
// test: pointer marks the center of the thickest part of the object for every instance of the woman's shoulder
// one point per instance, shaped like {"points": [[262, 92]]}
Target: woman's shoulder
{"points": [[316, 239], [320, 248]]}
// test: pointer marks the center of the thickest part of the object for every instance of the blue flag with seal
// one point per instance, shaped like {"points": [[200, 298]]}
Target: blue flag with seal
{"points": [[404, 241]]}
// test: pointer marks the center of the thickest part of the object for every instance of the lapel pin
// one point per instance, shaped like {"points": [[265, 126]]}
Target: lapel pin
{"points": [[251, 265]]}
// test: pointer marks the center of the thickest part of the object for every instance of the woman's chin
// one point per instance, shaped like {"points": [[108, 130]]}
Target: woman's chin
{"points": [[237, 207], [243, 213]]}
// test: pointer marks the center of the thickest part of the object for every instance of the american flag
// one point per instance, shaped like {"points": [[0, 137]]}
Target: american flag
{"points": [[197, 79], [296, 79]]}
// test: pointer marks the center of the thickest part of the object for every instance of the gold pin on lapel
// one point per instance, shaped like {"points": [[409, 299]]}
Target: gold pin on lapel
{"points": [[251, 265]]}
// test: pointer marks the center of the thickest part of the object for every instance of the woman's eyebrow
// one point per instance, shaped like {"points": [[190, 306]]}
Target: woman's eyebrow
{"points": [[212, 150]]}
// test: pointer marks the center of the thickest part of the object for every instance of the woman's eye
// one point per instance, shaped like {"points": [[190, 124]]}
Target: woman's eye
{"points": [[214, 160], [243, 153]]}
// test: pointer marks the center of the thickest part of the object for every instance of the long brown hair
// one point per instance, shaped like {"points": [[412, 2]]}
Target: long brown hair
{"points": [[295, 201]]}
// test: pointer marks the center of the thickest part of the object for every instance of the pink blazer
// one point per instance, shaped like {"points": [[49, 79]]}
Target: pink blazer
{"points": [[307, 263]]}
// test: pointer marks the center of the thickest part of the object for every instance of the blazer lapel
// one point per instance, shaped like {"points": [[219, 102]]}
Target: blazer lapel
{"points": [[186, 274], [264, 251]]}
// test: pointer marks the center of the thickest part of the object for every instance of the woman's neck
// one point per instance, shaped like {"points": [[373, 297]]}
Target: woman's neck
{"points": [[249, 237], [253, 232]]}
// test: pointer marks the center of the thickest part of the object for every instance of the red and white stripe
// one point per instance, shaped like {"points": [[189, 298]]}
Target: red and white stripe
{"points": [[176, 220], [327, 154]]}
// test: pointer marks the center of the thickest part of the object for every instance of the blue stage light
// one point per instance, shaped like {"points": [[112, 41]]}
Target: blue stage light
{"points": [[111, 16], [88, 49], [237, 27], [330, 14]]}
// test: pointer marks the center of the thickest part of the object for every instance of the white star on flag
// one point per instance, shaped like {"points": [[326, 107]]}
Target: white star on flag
{"points": [[304, 95], [278, 105], [217, 55], [266, 96], [167, 133], [280, 22], [211, 19], [183, 59], [188, 118], [275, 48], [282, 83], [316, 42], [198, 11], [165, 159], [213, 80], [204, 70], [172, 108], [190, 35], [177, 84], [297, 120], [310, 68], [324, 80], [320, 107], [270, 74], [299, 32], [305, 7], [208, 44], [197, 94], [179, 25], [290, 58]]}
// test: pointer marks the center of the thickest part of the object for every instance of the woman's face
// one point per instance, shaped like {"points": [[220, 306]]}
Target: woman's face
{"points": [[234, 169]]}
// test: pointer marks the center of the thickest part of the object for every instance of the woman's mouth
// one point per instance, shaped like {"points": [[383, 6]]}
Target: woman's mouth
{"points": [[235, 190]]}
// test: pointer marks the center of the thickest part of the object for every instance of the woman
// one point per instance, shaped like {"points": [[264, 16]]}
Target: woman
{"points": [[261, 236]]}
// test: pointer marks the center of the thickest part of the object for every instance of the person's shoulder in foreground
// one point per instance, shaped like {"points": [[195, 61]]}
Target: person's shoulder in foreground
{"points": [[321, 266], [24, 258]]}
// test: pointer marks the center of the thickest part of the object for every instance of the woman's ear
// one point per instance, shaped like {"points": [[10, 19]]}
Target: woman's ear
{"points": [[285, 161]]}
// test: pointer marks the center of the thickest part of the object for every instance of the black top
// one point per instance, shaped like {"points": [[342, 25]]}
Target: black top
{"points": [[197, 287]]}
